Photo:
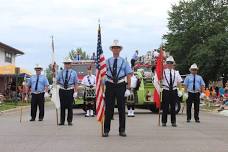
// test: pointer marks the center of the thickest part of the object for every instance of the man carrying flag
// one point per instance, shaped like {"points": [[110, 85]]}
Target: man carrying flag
{"points": [[117, 69]]}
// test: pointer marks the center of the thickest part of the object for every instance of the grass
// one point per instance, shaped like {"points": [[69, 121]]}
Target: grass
{"points": [[11, 105]]}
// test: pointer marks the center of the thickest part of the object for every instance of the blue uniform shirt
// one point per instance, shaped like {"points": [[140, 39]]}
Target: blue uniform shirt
{"points": [[42, 83], [188, 82], [125, 68], [72, 77], [135, 56]]}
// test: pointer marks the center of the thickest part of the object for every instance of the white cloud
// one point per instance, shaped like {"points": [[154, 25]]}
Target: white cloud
{"points": [[28, 24]]}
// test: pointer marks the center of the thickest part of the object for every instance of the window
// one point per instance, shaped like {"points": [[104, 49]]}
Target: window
{"points": [[8, 57]]}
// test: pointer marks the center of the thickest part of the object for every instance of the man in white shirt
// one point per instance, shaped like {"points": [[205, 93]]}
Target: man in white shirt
{"points": [[89, 81], [171, 79]]}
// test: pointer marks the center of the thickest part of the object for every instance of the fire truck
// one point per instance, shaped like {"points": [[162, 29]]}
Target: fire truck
{"points": [[144, 69], [81, 67]]}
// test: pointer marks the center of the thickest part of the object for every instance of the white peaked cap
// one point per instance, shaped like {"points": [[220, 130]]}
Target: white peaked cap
{"points": [[67, 60], [116, 44], [38, 66], [194, 66], [170, 59]]}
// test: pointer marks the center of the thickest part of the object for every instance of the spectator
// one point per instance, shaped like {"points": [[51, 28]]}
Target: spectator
{"points": [[93, 57], [78, 56], [134, 58]]}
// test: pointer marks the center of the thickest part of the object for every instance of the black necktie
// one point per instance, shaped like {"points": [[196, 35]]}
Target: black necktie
{"points": [[194, 81], [115, 69], [37, 80], [89, 80], [170, 81], [66, 80]]}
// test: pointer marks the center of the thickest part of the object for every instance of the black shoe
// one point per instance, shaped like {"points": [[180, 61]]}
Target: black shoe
{"points": [[188, 121], [40, 119], [174, 124], [70, 124], [163, 124], [61, 124], [105, 134], [32, 120], [197, 121], [122, 134]]}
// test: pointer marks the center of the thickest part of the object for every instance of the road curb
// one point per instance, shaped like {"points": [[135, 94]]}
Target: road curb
{"points": [[14, 109], [19, 108]]}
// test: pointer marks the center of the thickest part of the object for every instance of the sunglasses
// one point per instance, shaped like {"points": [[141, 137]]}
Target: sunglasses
{"points": [[169, 62], [194, 69]]}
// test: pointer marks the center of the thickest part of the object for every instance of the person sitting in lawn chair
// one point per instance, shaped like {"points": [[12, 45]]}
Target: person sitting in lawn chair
{"points": [[89, 81], [224, 105]]}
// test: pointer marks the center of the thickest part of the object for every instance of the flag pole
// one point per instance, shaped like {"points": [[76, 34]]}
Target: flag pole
{"points": [[159, 110], [21, 109], [160, 92], [54, 74], [102, 126], [103, 115]]}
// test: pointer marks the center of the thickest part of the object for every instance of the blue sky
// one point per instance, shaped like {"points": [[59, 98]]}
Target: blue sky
{"points": [[28, 24]]}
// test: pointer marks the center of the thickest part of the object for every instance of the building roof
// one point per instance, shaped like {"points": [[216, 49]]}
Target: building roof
{"points": [[11, 49]]}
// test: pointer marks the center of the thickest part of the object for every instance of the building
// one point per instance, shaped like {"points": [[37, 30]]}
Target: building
{"points": [[8, 56]]}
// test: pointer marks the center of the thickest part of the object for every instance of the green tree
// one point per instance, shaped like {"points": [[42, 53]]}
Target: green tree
{"points": [[198, 33], [73, 53], [48, 72]]}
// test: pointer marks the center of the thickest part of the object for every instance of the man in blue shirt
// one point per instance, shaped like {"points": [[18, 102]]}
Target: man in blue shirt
{"points": [[117, 69], [134, 58], [194, 85], [67, 80], [39, 87]]}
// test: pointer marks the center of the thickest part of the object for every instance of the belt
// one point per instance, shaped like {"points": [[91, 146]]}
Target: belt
{"points": [[167, 88], [37, 92], [193, 91], [70, 88], [119, 81], [170, 90]]}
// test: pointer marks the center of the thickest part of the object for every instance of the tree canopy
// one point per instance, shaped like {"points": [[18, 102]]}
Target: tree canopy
{"points": [[198, 33]]}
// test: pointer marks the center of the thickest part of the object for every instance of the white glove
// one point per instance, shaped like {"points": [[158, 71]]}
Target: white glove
{"points": [[179, 93], [46, 95], [127, 93], [185, 95], [26, 98], [75, 95], [202, 95]]}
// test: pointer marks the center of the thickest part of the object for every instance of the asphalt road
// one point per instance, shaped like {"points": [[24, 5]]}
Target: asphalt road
{"points": [[144, 134]]}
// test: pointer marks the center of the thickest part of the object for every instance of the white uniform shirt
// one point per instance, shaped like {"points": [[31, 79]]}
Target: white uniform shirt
{"points": [[89, 80], [176, 78]]}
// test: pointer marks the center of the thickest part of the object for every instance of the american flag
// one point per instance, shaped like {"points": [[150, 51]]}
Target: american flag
{"points": [[100, 74]]}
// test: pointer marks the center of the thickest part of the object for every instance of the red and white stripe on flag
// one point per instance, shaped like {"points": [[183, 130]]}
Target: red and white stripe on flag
{"points": [[158, 78], [100, 74]]}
